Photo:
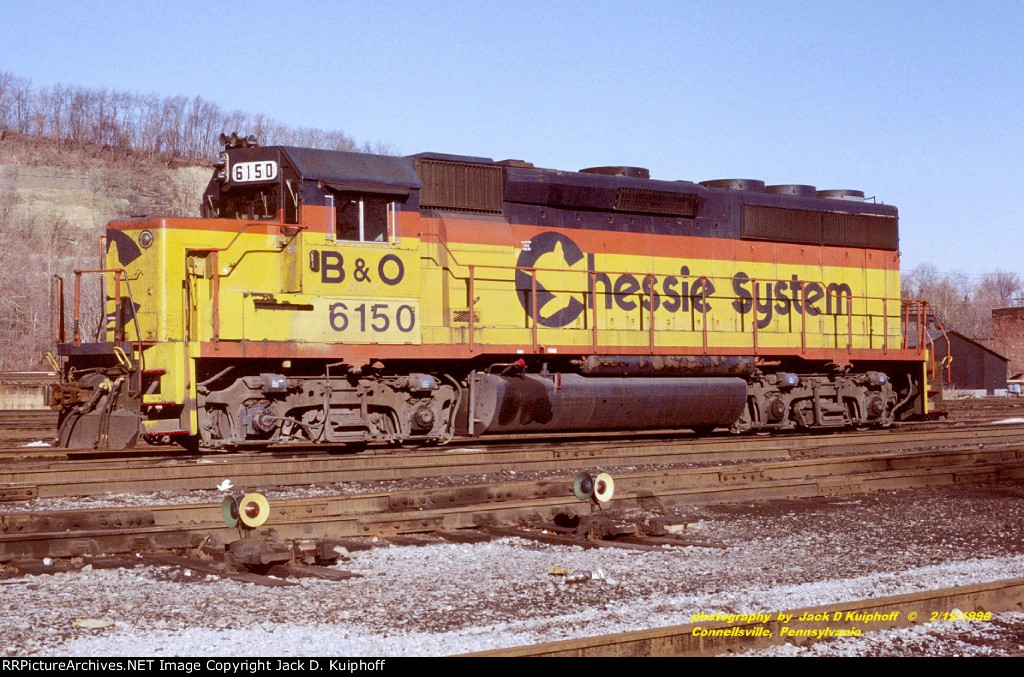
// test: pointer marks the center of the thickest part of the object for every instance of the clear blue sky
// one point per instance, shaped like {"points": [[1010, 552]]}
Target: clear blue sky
{"points": [[917, 103]]}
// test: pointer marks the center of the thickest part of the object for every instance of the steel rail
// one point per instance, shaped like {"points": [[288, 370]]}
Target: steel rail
{"points": [[34, 478], [106, 531]]}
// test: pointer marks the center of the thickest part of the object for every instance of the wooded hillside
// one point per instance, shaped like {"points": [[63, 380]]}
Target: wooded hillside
{"points": [[72, 159]]}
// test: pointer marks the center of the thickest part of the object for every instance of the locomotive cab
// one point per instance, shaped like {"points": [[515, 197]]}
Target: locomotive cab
{"points": [[292, 254]]}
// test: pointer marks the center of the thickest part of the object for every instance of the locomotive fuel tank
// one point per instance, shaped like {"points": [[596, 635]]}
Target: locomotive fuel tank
{"points": [[665, 365], [568, 402]]}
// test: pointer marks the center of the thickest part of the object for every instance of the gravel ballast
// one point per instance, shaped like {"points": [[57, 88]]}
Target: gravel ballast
{"points": [[444, 598]]}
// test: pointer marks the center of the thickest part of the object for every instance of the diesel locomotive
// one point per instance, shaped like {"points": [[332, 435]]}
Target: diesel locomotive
{"points": [[336, 297]]}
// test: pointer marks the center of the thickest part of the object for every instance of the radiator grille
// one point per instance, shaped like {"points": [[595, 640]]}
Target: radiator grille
{"points": [[456, 185], [828, 228], [641, 201], [462, 316]]}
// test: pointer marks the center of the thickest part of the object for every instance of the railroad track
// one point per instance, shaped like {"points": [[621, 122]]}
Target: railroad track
{"points": [[32, 473], [28, 419], [540, 501], [25, 389], [712, 638], [983, 409]]}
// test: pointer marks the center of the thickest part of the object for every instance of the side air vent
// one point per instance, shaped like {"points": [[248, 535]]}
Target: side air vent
{"points": [[836, 229], [641, 201], [627, 195], [859, 230], [460, 186], [462, 316]]}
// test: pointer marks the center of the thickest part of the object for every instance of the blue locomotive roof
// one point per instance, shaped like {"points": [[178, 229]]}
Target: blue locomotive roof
{"points": [[343, 169]]}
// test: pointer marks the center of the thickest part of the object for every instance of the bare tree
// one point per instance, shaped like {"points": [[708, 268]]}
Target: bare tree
{"points": [[175, 125], [32, 250], [961, 304], [1000, 289]]}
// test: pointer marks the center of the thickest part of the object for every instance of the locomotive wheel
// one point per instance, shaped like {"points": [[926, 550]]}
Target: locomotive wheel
{"points": [[216, 428]]}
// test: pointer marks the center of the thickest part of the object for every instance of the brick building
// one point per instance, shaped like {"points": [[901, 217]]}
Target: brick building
{"points": [[972, 368], [1008, 336]]}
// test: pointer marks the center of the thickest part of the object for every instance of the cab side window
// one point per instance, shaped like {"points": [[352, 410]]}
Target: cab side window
{"points": [[255, 203], [361, 218]]}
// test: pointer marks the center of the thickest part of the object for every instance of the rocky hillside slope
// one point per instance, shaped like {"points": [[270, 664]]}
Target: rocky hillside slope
{"points": [[55, 200], [88, 185]]}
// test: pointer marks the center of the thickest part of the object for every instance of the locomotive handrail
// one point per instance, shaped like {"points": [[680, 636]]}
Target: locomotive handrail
{"points": [[847, 300], [803, 320], [472, 310], [849, 329], [924, 342], [477, 271], [533, 270], [119, 328], [704, 319], [650, 315], [58, 309], [533, 306], [289, 230], [76, 331], [290, 226], [885, 328]]}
